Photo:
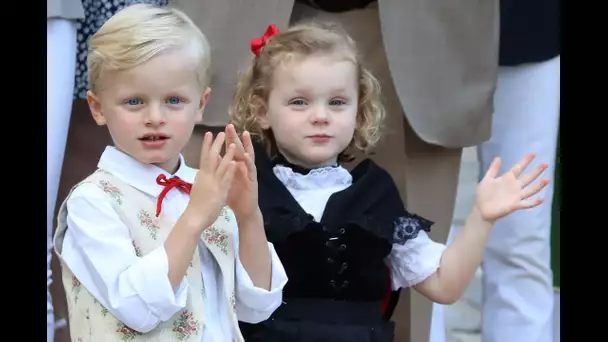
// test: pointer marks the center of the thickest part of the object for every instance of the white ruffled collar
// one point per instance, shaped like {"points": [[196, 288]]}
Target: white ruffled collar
{"points": [[321, 178]]}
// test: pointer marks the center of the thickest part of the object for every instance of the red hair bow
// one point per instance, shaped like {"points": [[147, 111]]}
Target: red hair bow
{"points": [[258, 43]]}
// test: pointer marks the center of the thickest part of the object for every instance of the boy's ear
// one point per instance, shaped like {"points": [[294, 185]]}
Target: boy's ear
{"points": [[203, 104], [95, 107]]}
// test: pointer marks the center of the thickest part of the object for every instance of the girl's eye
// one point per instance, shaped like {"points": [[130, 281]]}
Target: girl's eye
{"points": [[298, 102], [134, 101], [173, 100], [337, 102]]}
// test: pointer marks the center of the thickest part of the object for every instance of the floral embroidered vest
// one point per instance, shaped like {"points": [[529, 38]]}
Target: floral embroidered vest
{"points": [[91, 322]]}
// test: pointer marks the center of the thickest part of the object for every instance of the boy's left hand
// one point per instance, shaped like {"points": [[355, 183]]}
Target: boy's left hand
{"points": [[243, 194], [499, 196]]}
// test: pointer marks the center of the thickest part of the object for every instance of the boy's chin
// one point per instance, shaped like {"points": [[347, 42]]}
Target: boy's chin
{"points": [[157, 158]]}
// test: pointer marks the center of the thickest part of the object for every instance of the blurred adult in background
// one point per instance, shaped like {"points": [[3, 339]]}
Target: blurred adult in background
{"points": [[61, 16], [555, 243], [518, 293]]}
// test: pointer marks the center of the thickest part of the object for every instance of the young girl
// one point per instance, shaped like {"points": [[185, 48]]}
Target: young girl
{"points": [[151, 249], [344, 237]]}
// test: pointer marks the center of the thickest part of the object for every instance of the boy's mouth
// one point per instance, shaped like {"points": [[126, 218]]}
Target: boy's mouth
{"points": [[154, 137]]}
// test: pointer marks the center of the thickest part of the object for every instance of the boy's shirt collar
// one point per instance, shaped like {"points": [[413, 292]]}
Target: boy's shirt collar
{"points": [[140, 175]]}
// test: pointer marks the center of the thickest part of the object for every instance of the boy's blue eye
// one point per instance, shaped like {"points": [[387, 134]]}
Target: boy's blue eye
{"points": [[134, 101], [173, 100]]}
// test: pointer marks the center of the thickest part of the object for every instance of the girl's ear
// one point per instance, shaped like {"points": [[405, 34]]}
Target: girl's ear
{"points": [[261, 113], [263, 121]]}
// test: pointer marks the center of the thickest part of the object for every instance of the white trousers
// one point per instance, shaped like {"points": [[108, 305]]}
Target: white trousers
{"points": [[61, 68], [518, 296], [518, 282]]}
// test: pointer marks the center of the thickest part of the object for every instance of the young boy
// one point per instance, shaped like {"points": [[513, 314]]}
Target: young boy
{"points": [[150, 247]]}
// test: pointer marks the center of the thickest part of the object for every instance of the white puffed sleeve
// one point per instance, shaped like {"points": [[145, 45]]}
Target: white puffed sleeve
{"points": [[414, 256]]}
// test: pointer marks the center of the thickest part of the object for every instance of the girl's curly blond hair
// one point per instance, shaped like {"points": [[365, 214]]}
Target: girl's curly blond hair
{"points": [[300, 41]]}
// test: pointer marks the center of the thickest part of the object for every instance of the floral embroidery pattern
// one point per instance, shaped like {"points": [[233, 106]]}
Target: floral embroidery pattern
{"points": [[103, 171], [111, 190], [146, 220], [224, 213], [233, 301], [186, 325], [217, 237], [126, 334], [76, 287], [137, 249], [104, 311]]}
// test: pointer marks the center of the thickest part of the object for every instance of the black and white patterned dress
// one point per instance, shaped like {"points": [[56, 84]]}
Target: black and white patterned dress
{"points": [[347, 245], [96, 12]]}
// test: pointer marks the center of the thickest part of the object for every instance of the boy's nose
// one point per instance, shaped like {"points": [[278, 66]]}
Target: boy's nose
{"points": [[155, 116]]}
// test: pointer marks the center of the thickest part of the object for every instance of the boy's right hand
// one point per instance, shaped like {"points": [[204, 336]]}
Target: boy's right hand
{"points": [[213, 180]]}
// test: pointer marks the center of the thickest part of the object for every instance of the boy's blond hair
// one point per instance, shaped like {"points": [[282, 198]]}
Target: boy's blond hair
{"points": [[140, 32], [300, 41]]}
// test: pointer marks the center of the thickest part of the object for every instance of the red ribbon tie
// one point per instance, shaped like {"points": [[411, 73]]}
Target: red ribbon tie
{"points": [[173, 182]]}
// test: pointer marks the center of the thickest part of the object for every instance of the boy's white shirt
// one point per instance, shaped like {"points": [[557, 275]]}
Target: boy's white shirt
{"points": [[137, 290]]}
